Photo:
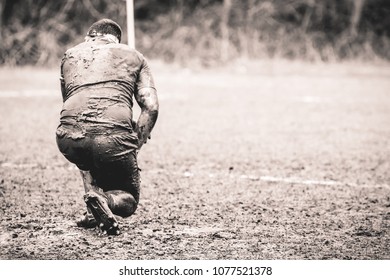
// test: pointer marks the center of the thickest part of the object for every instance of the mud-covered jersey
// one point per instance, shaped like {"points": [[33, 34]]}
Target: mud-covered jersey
{"points": [[99, 79]]}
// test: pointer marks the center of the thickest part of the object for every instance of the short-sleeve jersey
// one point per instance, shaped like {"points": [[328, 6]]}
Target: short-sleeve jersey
{"points": [[99, 81]]}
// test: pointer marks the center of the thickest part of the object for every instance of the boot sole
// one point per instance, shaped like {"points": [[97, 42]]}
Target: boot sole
{"points": [[103, 215]]}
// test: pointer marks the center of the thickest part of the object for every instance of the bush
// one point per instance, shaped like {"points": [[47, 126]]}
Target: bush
{"points": [[207, 32]]}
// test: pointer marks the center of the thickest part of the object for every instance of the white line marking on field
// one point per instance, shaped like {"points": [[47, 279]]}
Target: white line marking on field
{"points": [[270, 179], [188, 174], [26, 93], [20, 165], [311, 99], [55, 93], [292, 180], [34, 165]]}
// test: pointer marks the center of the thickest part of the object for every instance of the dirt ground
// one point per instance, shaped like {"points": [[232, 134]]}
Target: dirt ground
{"points": [[283, 161]]}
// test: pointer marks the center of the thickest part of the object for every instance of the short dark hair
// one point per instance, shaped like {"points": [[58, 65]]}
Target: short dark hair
{"points": [[105, 26]]}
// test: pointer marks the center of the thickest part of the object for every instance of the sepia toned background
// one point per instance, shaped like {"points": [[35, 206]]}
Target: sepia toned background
{"points": [[272, 140], [207, 31]]}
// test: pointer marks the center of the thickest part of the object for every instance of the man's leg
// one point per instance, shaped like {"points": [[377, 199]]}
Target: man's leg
{"points": [[77, 151], [88, 220], [98, 209], [88, 181], [121, 203], [120, 181], [112, 188], [100, 170]]}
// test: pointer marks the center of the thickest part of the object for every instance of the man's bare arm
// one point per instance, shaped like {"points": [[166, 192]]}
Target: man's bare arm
{"points": [[148, 102], [62, 81]]}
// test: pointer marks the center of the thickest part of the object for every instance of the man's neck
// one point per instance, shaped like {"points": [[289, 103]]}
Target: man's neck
{"points": [[105, 37]]}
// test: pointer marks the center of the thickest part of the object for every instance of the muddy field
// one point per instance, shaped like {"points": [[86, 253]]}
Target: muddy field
{"points": [[287, 162]]}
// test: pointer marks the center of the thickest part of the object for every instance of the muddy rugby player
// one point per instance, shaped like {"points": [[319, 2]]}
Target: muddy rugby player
{"points": [[99, 78]]}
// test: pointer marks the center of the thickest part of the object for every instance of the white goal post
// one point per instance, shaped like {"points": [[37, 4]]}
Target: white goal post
{"points": [[130, 23]]}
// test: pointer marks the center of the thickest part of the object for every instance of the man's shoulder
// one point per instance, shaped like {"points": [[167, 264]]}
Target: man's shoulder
{"points": [[126, 48], [120, 46], [115, 51], [79, 46]]}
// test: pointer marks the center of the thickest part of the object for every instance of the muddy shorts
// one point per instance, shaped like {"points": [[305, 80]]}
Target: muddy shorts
{"points": [[110, 157]]}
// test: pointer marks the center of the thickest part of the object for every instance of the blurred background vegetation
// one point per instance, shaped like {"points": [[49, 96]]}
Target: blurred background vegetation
{"points": [[207, 32]]}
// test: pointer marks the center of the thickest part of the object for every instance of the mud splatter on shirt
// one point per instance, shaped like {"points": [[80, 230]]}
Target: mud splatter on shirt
{"points": [[98, 80]]}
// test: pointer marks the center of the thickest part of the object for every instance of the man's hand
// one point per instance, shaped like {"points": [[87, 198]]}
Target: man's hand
{"points": [[135, 129]]}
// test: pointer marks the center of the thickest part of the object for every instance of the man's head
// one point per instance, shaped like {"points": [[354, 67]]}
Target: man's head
{"points": [[105, 27]]}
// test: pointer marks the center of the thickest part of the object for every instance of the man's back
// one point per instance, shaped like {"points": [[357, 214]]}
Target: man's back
{"points": [[98, 61], [100, 78]]}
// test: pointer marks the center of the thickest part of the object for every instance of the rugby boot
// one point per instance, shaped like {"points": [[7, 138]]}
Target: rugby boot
{"points": [[87, 221], [98, 206]]}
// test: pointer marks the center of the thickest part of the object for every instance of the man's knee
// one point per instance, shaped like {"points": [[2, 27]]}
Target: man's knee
{"points": [[122, 203], [126, 210]]}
